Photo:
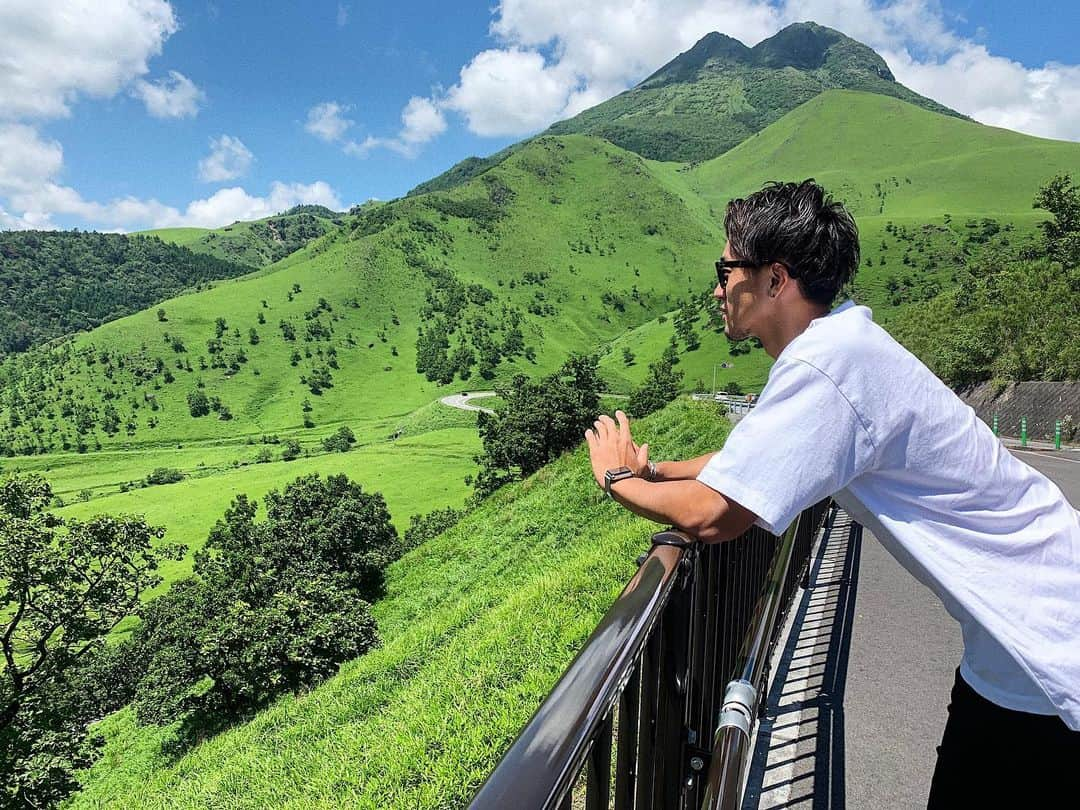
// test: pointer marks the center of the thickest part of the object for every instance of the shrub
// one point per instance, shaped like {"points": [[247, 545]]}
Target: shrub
{"points": [[164, 475], [291, 450], [341, 441]]}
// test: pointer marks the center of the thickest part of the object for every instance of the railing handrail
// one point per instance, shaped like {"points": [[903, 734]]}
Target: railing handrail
{"points": [[545, 758]]}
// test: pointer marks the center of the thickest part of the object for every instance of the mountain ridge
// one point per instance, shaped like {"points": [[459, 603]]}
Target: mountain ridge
{"points": [[713, 96]]}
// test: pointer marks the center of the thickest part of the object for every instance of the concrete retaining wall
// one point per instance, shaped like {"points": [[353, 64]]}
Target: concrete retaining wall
{"points": [[1040, 402]]}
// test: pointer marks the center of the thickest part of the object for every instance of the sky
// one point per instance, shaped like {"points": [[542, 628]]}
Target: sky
{"points": [[134, 114]]}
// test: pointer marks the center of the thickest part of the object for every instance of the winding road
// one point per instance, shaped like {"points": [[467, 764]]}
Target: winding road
{"points": [[462, 401]]}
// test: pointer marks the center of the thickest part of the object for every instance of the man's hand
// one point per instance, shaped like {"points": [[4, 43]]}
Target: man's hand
{"points": [[611, 446]]}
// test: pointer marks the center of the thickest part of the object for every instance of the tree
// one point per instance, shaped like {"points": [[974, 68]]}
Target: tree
{"points": [[660, 387], [161, 315], [341, 441], [291, 450], [64, 584], [542, 418], [274, 605], [627, 356], [198, 403], [1061, 233]]}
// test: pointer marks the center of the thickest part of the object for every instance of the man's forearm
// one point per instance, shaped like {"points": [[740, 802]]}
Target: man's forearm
{"points": [[688, 505], [681, 470]]}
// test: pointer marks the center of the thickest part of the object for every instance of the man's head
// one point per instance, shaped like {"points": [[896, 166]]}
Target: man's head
{"points": [[790, 249]]}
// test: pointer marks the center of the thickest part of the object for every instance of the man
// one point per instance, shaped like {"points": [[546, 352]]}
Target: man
{"points": [[848, 412]]}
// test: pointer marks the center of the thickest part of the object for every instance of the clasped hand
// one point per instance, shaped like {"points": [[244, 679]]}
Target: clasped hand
{"points": [[612, 446]]}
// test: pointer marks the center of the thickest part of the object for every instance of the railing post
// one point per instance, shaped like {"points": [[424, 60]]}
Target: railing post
{"points": [[1023, 431], [995, 424], [1057, 434]]}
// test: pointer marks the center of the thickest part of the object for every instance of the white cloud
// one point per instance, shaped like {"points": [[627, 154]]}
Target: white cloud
{"points": [[421, 120], [230, 204], [53, 52], [26, 160], [326, 121], [342, 15], [510, 92], [29, 181], [174, 97], [228, 160]]}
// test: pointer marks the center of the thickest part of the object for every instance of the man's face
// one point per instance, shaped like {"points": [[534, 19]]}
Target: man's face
{"points": [[740, 299]]}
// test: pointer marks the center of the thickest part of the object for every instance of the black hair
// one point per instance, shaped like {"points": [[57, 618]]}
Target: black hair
{"points": [[801, 226]]}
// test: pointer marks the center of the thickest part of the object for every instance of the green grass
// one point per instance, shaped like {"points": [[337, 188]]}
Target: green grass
{"points": [[477, 625], [184, 237]]}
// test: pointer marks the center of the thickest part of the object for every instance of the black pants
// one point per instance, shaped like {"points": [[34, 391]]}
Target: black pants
{"points": [[993, 757]]}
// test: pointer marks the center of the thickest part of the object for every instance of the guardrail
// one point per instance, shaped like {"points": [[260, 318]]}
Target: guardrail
{"points": [[651, 682], [734, 402]]}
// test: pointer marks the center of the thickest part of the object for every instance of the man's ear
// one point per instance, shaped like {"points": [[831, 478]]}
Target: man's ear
{"points": [[777, 276]]}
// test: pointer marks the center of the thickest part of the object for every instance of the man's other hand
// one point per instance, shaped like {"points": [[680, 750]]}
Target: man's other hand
{"points": [[612, 446]]}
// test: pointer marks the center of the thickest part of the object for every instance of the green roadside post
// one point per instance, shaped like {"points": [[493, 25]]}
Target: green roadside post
{"points": [[1023, 431], [995, 425], [1057, 434]]}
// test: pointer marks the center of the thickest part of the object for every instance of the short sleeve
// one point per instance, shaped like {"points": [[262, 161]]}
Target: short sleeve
{"points": [[801, 443]]}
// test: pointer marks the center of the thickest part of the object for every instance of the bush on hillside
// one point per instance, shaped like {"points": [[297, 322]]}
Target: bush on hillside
{"points": [[164, 475], [274, 606], [424, 527], [542, 418], [341, 441]]}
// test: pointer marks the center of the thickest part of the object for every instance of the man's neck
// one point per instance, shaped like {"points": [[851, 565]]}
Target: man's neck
{"points": [[791, 322]]}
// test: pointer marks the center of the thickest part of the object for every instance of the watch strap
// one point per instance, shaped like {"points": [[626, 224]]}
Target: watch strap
{"points": [[614, 476]]}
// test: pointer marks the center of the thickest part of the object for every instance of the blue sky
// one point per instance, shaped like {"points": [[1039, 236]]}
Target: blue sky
{"points": [[128, 114]]}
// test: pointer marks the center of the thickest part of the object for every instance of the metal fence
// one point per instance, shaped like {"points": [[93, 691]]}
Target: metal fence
{"points": [[655, 711]]}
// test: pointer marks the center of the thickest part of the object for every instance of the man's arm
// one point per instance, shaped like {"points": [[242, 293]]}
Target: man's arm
{"points": [[686, 503], [689, 505], [686, 470]]}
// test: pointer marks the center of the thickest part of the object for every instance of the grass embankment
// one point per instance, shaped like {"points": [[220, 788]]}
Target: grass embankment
{"points": [[477, 625]]}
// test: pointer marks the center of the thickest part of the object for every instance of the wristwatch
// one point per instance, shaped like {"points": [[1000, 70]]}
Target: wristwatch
{"points": [[618, 474]]}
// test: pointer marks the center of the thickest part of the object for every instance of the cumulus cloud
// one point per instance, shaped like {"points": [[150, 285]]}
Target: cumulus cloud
{"points": [[26, 159], [421, 120], [29, 180], [54, 52], [174, 97], [327, 121], [223, 207], [228, 160]]}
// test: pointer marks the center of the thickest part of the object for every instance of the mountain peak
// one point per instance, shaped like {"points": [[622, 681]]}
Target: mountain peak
{"points": [[714, 47], [809, 46]]}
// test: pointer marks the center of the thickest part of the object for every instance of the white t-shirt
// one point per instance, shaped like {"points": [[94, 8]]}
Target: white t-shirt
{"points": [[849, 412]]}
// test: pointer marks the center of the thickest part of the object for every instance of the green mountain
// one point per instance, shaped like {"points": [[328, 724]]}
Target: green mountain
{"points": [[259, 242], [718, 93], [53, 283]]}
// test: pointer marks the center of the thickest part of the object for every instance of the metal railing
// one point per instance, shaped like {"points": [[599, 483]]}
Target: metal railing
{"points": [[652, 685]]}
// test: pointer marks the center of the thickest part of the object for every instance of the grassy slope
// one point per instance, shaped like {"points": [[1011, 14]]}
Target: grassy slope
{"points": [[477, 625]]}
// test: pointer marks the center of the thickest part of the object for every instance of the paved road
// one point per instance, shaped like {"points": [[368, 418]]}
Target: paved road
{"points": [[865, 732], [462, 401]]}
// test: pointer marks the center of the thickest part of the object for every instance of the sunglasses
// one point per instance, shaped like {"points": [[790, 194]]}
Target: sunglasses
{"points": [[725, 266]]}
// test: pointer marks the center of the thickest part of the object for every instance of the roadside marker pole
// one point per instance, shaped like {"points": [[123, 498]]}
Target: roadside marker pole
{"points": [[1057, 434], [995, 425], [1023, 431]]}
